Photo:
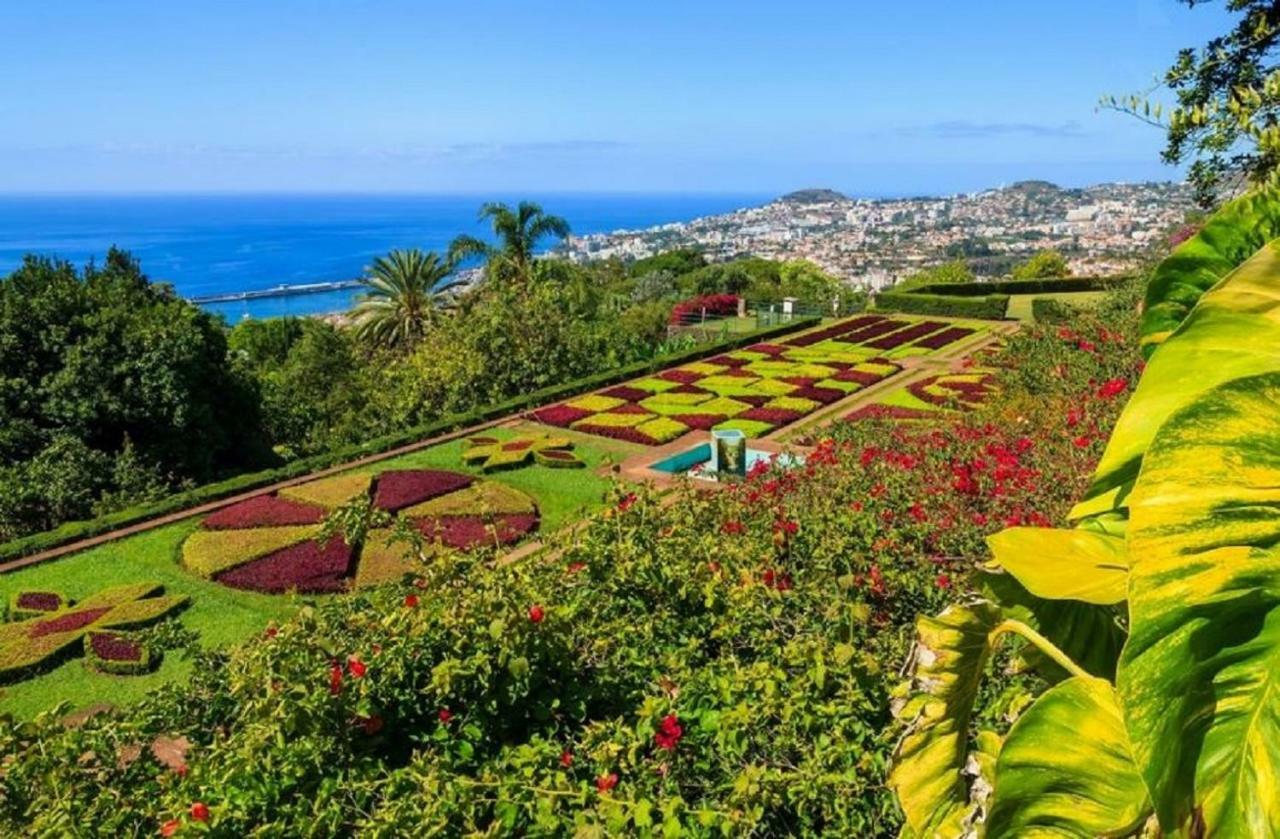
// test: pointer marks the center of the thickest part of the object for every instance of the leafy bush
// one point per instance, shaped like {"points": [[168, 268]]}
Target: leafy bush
{"points": [[990, 307], [711, 305]]}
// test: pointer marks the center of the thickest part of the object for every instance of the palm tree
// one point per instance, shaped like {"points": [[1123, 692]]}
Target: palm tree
{"points": [[518, 232], [402, 297]]}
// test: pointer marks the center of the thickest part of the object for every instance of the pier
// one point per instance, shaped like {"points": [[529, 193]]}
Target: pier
{"points": [[277, 291]]}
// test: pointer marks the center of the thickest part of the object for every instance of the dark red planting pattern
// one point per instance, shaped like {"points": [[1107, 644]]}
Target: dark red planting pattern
{"points": [[404, 488], [306, 567], [941, 339], [629, 408], [826, 333], [773, 416], [684, 377], [872, 331], [859, 376], [825, 395], [557, 454], [561, 415], [872, 412], [39, 601], [67, 622], [728, 361], [966, 394], [466, 532], [630, 394], [688, 389], [753, 401], [629, 435], [264, 511], [739, 373], [800, 381], [767, 349], [109, 646], [700, 422], [905, 336], [516, 445]]}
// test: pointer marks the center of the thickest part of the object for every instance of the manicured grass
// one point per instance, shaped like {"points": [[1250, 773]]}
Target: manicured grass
{"points": [[1020, 304], [219, 614]]}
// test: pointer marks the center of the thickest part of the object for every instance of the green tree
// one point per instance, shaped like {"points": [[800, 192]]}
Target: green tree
{"points": [[1227, 96], [956, 271], [1045, 265], [403, 293], [518, 231]]}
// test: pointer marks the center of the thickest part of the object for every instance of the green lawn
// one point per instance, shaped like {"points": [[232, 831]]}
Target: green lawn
{"points": [[224, 616], [1020, 304]]}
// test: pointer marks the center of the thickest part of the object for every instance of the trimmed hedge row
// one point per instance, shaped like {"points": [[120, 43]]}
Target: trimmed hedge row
{"points": [[1016, 287], [990, 307], [1048, 310], [74, 531]]}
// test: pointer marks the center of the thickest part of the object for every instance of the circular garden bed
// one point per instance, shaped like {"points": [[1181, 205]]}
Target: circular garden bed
{"points": [[273, 543]]}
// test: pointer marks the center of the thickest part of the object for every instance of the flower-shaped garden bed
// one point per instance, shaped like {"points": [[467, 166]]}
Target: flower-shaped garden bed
{"points": [[274, 543]]}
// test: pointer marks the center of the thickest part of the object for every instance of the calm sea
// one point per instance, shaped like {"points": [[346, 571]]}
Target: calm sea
{"points": [[212, 244]]}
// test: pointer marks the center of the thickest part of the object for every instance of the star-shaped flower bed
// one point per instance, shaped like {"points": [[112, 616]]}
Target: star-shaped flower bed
{"points": [[492, 454], [28, 645], [272, 543]]}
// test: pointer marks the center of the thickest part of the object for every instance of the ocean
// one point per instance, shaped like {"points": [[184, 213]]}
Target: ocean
{"points": [[215, 244]]}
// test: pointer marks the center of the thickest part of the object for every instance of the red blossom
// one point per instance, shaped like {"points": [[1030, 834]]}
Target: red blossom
{"points": [[1113, 388], [786, 526], [607, 782], [335, 679], [536, 613], [200, 811], [768, 577], [170, 827], [444, 715], [918, 513], [357, 667], [669, 733], [732, 528], [271, 632], [942, 581], [566, 758], [371, 725], [411, 601], [575, 567], [1082, 442], [1087, 346], [627, 502]]}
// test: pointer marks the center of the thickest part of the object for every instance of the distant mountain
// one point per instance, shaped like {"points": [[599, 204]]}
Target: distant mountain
{"points": [[813, 196], [1034, 187]]}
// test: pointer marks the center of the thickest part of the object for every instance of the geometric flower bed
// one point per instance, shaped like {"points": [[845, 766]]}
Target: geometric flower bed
{"points": [[270, 543], [930, 398], [29, 644], [758, 389], [491, 454]]}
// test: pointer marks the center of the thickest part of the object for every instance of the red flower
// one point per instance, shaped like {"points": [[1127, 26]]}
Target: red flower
{"points": [[786, 526], [732, 528], [768, 577], [627, 503], [271, 632], [566, 758], [943, 581], [607, 782], [1074, 416], [170, 827], [1066, 334], [411, 601], [918, 513], [200, 811], [357, 667], [335, 679], [575, 567], [371, 724], [856, 506], [444, 715], [1087, 346], [1112, 388], [669, 733], [713, 567], [536, 614], [783, 583], [1082, 442], [979, 519]]}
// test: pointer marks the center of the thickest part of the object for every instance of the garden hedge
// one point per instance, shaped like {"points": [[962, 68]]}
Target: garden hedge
{"points": [[1064, 285], [1048, 310], [989, 307], [77, 530]]}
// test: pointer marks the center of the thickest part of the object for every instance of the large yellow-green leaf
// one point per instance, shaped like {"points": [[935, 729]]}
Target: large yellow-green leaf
{"points": [[928, 766], [1067, 768], [1064, 564], [1234, 331], [1199, 678], [1229, 237]]}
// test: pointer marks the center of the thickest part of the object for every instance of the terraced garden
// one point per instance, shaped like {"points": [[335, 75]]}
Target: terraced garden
{"points": [[764, 387]]}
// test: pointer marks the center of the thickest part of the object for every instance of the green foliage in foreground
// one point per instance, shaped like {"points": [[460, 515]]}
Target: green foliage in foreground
{"points": [[1177, 732]]}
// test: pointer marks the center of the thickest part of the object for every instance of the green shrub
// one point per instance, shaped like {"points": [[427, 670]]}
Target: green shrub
{"points": [[1048, 310], [989, 307]]}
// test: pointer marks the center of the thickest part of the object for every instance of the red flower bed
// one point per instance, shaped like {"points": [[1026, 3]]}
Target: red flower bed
{"points": [[800, 381], [875, 412], [629, 435], [39, 601], [833, 331], [773, 416], [630, 394], [404, 488], [306, 567], [264, 511], [561, 415], [739, 373], [825, 395], [728, 361], [630, 408], [700, 422], [753, 401], [109, 646], [905, 336], [871, 331], [861, 377], [938, 340], [714, 305], [558, 454], [67, 623], [516, 445], [467, 532], [684, 377], [767, 349]]}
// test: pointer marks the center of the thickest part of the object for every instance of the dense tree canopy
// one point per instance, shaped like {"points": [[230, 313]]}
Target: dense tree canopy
{"points": [[1045, 265], [99, 363]]}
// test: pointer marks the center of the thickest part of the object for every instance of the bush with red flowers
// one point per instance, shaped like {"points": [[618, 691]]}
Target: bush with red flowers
{"points": [[709, 305]]}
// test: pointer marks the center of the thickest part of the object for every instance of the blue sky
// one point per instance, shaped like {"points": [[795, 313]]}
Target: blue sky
{"points": [[702, 95]]}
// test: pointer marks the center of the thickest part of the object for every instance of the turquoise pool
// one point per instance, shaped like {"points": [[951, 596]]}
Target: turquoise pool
{"points": [[692, 460]]}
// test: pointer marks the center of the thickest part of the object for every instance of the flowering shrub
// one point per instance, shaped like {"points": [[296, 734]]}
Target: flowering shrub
{"points": [[713, 305]]}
